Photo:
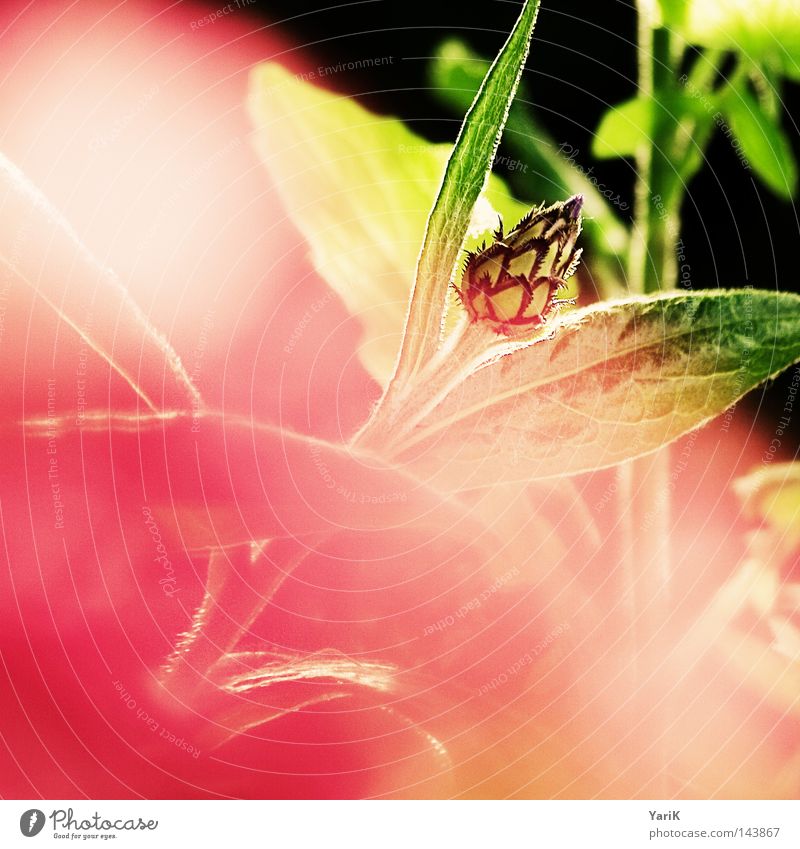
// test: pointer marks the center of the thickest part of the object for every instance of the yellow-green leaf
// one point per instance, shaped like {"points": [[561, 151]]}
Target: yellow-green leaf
{"points": [[359, 188], [673, 12], [623, 129], [763, 142], [764, 30]]}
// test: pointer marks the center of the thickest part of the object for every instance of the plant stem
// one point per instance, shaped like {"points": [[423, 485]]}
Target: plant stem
{"points": [[662, 189], [653, 267], [467, 344]]}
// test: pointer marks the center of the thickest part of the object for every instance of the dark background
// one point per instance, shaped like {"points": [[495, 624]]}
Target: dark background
{"points": [[583, 60]]}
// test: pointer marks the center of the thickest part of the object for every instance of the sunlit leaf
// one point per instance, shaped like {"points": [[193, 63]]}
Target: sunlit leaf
{"points": [[359, 188], [623, 129], [615, 381], [761, 29], [673, 12], [763, 142], [628, 125]]}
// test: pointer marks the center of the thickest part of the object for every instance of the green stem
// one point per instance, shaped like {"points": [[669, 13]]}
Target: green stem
{"points": [[653, 267], [663, 188]]}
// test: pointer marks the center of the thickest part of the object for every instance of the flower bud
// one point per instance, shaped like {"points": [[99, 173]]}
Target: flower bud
{"points": [[512, 284]]}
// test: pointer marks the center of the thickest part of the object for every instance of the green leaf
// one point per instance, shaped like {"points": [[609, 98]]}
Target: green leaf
{"points": [[623, 129], [763, 142], [359, 188], [630, 124], [615, 381], [673, 13], [546, 170], [464, 179], [763, 30], [791, 67]]}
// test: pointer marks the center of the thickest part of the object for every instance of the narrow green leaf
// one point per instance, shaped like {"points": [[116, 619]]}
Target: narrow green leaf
{"points": [[767, 30], [547, 171], [464, 178], [628, 125], [763, 142], [616, 380], [359, 188], [623, 129]]}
